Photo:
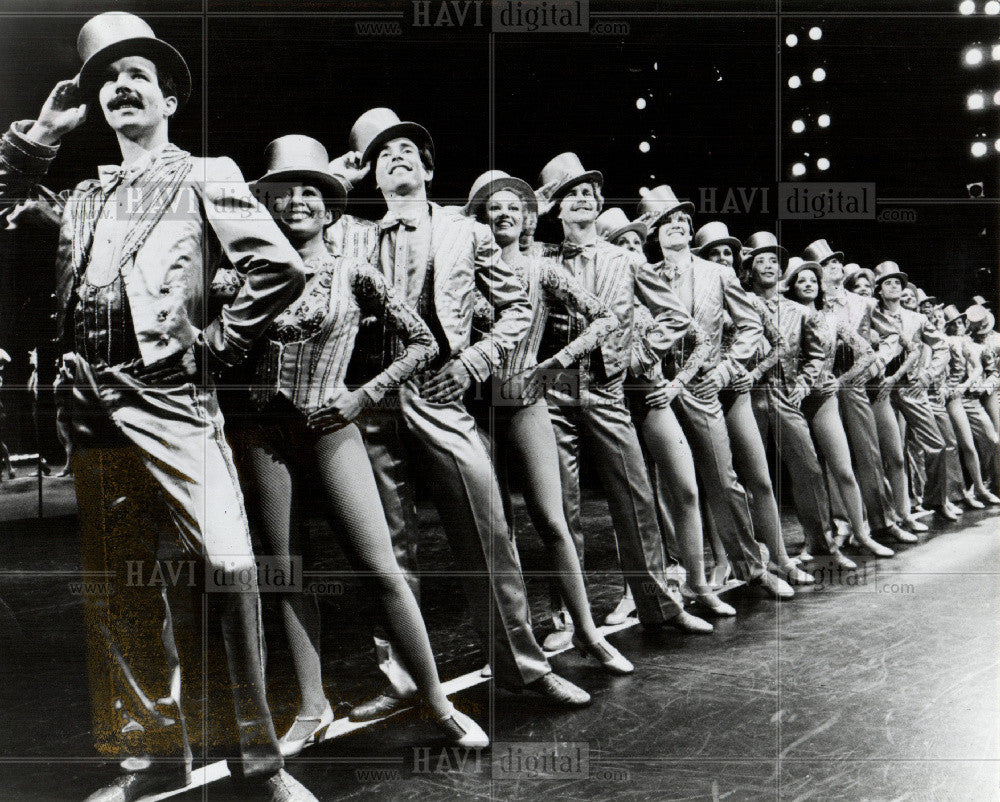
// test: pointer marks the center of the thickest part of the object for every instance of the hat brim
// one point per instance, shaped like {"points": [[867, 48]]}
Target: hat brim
{"points": [[164, 56], [589, 177], [835, 255], [684, 206], [517, 185], [732, 242], [776, 249], [417, 133], [898, 274], [789, 280], [334, 191], [636, 226]]}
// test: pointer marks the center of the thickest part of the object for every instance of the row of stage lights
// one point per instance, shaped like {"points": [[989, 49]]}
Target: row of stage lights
{"points": [[977, 100], [967, 7], [800, 124]]}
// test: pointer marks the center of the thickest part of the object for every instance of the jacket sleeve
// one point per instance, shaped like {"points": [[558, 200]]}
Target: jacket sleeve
{"points": [[505, 291], [601, 321], [672, 319], [746, 321], [772, 333], [375, 297], [864, 354], [275, 275], [643, 363], [812, 353], [23, 164]]}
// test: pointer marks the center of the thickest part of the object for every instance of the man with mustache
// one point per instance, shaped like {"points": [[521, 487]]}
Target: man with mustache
{"points": [[435, 262], [145, 419]]}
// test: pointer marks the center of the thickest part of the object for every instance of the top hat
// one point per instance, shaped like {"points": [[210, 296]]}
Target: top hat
{"points": [[854, 271], [976, 315], [796, 265], [380, 125], [886, 270], [923, 297], [113, 35], [659, 202], [979, 299], [567, 169], [820, 251], [493, 181], [712, 234], [295, 158], [612, 223], [952, 314], [4, 357], [765, 242]]}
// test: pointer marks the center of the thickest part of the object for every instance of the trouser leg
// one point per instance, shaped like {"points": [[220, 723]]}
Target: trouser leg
{"points": [[862, 435], [915, 407]]}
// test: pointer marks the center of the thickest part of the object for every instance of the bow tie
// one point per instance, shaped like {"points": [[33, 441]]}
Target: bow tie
{"points": [[391, 221], [110, 175], [570, 250]]}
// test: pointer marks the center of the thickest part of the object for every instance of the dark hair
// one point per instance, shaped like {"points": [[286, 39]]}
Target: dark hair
{"points": [[168, 84], [684, 216], [790, 289]]}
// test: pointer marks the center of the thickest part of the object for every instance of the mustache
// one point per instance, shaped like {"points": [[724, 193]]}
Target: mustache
{"points": [[123, 99]]}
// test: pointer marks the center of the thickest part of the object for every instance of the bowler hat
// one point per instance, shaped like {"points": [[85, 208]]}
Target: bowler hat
{"points": [[659, 202], [568, 171], [493, 181], [295, 158], [380, 125], [113, 35], [820, 251], [612, 223]]}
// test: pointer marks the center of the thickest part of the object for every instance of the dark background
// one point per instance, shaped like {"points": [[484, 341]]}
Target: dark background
{"points": [[896, 92]]}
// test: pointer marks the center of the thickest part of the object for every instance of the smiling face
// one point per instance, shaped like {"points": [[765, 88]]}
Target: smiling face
{"points": [[674, 233], [890, 289], [805, 288], [862, 286], [630, 241], [908, 298], [833, 270], [720, 254], [399, 168], [957, 326], [580, 205], [300, 212], [505, 215], [766, 270], [927, 308], [131, 97]]}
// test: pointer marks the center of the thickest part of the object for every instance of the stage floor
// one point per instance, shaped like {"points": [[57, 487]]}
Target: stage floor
{"points": [[881, 684]]}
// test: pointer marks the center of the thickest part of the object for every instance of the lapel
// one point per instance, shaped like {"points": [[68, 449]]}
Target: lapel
{"points": [[446, 243], [700, 288]]}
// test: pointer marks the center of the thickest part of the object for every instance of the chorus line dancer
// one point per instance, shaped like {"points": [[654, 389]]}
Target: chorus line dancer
{"points": [[435, 261], [522, 429], [132, 291], [587, 400], [708, 291], [985, 351]]}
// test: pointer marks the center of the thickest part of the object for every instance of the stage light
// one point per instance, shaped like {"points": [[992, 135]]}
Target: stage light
{"points": [[815, 34], [643, 192], [996, 98], [978, 149], [819, 74], [973, 57], [823, 164], [995, 52], [823, 121], [791, 40], [640, 103], [996, 145], [798, 169], [966, 7], [798, 126], [975, 190], [656, 65], [992, 8], [794, 82], [644, 147], [975, 101]]}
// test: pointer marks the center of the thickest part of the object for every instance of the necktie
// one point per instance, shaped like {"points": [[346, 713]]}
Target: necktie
{"points": [[570, 250]]}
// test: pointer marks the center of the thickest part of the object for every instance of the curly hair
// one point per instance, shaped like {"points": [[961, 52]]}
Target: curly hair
{"points": [[791, 294]]}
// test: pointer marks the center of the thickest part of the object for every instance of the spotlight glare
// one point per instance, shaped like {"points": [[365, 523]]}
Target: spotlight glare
{"points": [[996, 98], [656, 65], [995, 52], [798, 169], [791, 40], [975, 101], [794, 82], [967, 7], [823, 121], [819, 74], [644, 147], [815, 33], [640, 103], [973, 57], [978, 149], [798, 126], [992, 8], [643, 192], [996, 145], [823, 164]]}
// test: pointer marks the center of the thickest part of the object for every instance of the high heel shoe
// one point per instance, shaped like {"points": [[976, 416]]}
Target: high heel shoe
{"points": [[614, 662], [720, 575], [987, 496], [290, 746], [620, 614], [462, 730], [795, 575], [972, 501], [713, 604]]}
